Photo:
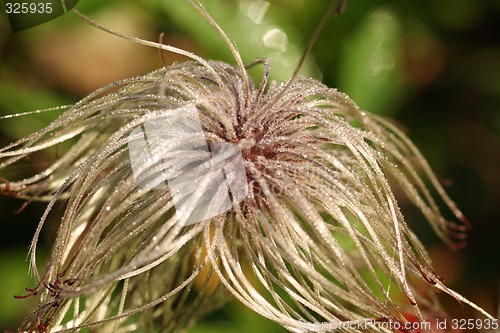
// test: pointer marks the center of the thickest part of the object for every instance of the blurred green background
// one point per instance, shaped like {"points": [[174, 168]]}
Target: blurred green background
{"points": [[432, 65]]}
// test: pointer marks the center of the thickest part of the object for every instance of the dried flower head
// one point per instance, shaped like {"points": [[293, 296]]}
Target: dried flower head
{"points": [[307, 235]]}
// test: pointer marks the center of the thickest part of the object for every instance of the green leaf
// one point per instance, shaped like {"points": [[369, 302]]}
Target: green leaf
{"points": [[255, 27], [370, 66]]}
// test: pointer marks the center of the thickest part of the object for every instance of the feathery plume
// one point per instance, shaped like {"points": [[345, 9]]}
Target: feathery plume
{"points": [[192, 184]]}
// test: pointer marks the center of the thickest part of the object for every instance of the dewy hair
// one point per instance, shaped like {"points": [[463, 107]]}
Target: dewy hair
{"points": [[192, 185]]}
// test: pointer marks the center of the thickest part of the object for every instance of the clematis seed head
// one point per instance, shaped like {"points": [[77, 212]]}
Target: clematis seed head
{"points": [[192, 185]]}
